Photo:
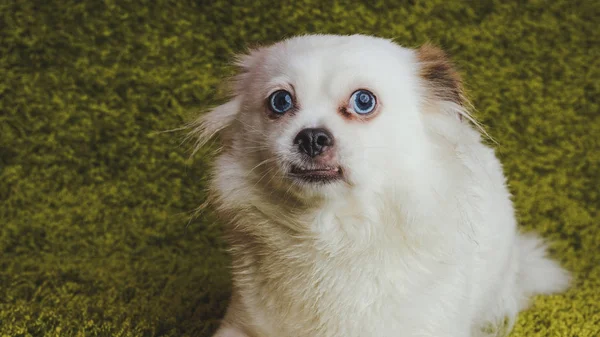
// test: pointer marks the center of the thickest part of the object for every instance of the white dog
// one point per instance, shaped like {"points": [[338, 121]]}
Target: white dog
{"points": [[360, 199]]}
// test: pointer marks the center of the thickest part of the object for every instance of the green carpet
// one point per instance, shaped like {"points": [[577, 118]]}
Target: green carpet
{"points": [[94, 202]]}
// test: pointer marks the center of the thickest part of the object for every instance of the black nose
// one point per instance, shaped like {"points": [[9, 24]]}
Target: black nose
{"points": [[313, 142]]}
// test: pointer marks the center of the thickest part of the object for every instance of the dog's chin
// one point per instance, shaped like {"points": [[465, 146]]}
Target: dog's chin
{"points": [[316, 175]]}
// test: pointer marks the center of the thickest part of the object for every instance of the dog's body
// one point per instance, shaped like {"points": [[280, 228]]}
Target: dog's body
{"points": [[395, 221]]}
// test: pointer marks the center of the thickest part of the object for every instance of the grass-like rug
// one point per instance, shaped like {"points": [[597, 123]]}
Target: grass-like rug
{"points": [[94, 203]]}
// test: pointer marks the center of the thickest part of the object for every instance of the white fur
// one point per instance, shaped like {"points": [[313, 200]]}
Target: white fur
{"points": [[419, 240]]}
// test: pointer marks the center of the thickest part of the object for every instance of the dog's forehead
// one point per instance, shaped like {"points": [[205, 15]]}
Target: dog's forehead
{"points": [[303, 56]]}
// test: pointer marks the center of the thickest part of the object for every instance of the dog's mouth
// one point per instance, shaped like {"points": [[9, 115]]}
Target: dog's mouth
{"points": [[321, 174]]}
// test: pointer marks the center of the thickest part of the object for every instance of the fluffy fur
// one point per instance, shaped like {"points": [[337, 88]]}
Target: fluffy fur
{"points": [[418, 239]]}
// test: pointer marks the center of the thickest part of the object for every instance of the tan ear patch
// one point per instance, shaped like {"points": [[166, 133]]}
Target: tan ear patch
{"points": [[441, 78]]}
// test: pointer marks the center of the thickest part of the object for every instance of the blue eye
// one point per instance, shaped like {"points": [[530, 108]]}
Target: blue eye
{"points": [[362, 102], [280, 101]]}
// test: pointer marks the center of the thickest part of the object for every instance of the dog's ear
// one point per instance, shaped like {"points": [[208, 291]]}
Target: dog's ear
{"points": [[218, 119], [249, 60], [210, 124], [442, 81]]}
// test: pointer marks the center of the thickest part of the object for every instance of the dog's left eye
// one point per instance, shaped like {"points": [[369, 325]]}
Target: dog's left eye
{"points": [[280, 102], [362, 102]]}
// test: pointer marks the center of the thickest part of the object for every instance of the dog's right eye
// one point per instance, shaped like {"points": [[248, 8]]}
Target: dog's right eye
{"points": [[363, 102], [280, 101]]}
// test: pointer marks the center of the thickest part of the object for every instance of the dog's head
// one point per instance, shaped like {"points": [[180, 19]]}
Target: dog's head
{"points": [[317, 117]]}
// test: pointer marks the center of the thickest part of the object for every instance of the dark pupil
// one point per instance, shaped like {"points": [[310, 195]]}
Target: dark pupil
{"points": [[364, 100], [282, 101]]}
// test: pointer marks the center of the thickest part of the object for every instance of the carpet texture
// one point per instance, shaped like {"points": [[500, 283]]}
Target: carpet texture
{"points": [[95, 204]]}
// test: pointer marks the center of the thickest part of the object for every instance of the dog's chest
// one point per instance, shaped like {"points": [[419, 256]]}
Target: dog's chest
{"points": [[356, 279], [370, 294]]}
